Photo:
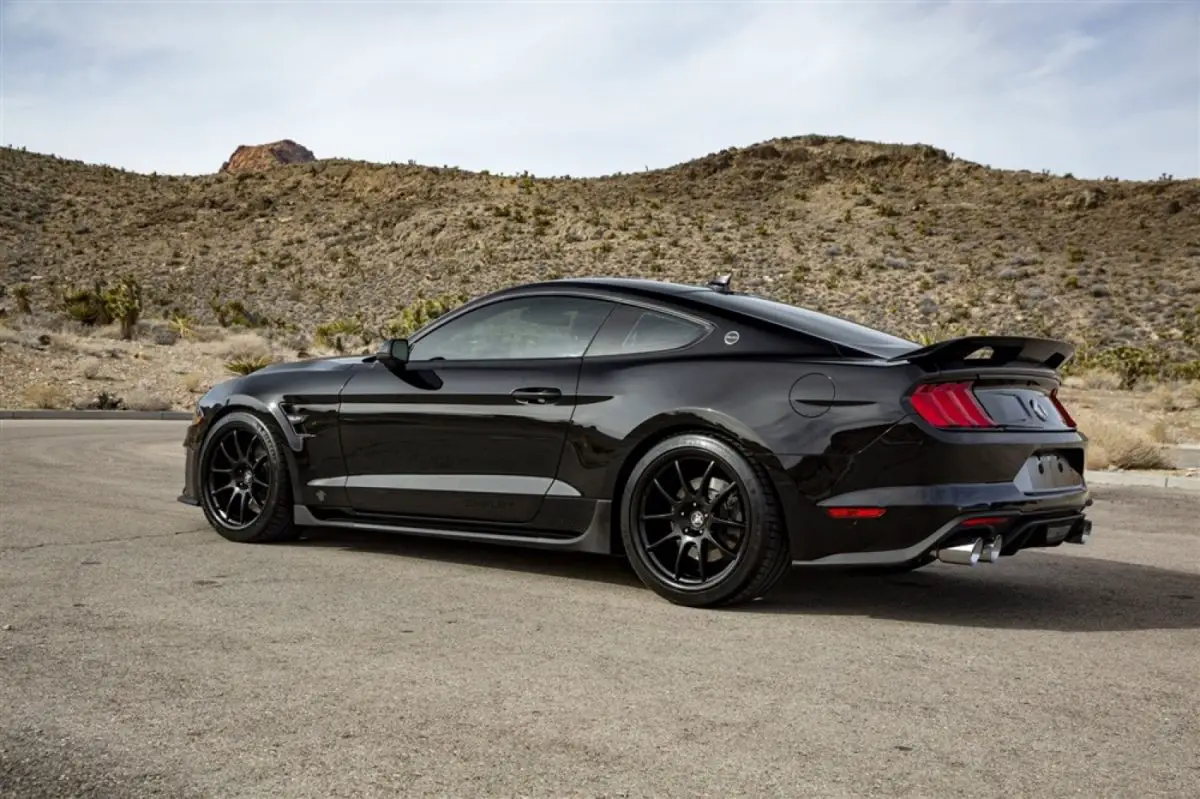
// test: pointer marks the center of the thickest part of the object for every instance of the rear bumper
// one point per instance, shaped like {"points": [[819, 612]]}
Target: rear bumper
{"points": [[917, 521]]}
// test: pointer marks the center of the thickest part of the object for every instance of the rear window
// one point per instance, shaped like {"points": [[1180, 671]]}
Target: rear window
{"points": [[653, 332], [830, 328]]}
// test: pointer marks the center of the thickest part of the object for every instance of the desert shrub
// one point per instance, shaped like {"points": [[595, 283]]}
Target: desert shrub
{"points": [[90, 369], [248, 364], [124, 304], [101, 305], [1116, 445], [182, 325], [20, 294], [45, 396], [333, 335], [1132, 365], [235, 312], [419, 314], [86, 306]]}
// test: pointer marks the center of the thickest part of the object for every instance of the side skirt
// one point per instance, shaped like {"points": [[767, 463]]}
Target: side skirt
{"points": [[594, 539]]}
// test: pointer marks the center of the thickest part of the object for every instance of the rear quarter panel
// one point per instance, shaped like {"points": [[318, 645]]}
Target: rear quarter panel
{"points": [[795, 416]]}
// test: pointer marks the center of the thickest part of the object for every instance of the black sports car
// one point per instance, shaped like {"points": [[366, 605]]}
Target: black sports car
{"points": [[714, 438]]}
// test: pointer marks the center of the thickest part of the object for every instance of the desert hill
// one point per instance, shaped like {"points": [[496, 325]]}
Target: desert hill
{"points": [[904, 237]]}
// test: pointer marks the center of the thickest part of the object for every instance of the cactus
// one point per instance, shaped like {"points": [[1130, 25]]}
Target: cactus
{"points": [[124, 304]]}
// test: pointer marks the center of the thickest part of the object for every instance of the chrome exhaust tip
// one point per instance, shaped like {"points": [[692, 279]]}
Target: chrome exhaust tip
{"points": [[962, 554], [991, 550]]}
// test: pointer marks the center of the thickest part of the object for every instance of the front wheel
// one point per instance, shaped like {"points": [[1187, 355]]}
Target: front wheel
{"points": [[245, 488], [701, 524]]}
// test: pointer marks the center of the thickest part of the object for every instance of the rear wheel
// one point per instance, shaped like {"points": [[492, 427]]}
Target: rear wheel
{"points": [[245, 488], [701, 525]]}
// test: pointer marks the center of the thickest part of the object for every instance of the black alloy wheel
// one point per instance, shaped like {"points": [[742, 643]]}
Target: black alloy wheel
{"points": [[691, 521], [239, 478], [245, 488], [701, 524]]}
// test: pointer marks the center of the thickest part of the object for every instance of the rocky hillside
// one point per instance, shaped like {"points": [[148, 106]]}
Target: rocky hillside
{"points": [[903, 237]]}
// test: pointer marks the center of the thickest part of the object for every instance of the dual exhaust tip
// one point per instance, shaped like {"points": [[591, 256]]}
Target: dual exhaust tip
{"points": [[972, 552], [983, 550]]}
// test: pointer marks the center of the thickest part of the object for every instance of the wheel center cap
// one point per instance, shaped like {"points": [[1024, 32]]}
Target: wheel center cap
{"points": [[696, 519]]}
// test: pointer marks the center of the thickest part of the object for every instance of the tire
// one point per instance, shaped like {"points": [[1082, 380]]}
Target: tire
{"points": [[672, 533], [228, 505]]}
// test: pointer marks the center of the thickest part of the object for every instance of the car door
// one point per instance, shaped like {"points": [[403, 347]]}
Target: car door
{"points": [[473, 426]]}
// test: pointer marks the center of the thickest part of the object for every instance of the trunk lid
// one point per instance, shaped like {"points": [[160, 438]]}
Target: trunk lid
{"points": [[991, 382]]}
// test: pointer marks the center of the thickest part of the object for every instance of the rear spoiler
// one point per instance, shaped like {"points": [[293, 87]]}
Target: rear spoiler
{"points": [[1045, 353]]}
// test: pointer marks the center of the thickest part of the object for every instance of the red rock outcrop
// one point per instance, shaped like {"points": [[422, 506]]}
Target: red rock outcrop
{"points": [[257, 157]]}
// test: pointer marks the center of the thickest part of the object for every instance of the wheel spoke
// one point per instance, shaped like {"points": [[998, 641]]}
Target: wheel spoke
{"points": [[721, 495], [679, 559], [727, 522], [705, 480], [683, 483], [671, 536], [663, 491], [652, 516], [700, 558], [726, 551]]}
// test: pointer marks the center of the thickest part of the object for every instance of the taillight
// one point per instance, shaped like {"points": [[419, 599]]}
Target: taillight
{"points": [[950, 405], [1062, 410]]}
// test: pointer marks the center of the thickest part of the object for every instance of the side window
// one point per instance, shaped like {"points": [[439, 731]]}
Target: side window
{"points": [[524, 327], [645, 331]]}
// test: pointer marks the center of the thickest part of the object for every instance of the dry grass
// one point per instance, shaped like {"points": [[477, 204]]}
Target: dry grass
{"points": [[1115, 444], [46, 396]]}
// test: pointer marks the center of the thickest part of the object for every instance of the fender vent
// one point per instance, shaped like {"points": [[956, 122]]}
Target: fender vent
{"points": [[296, 419]]}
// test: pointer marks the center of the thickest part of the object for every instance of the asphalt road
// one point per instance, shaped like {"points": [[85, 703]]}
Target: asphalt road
{"points": [[141, 655]]}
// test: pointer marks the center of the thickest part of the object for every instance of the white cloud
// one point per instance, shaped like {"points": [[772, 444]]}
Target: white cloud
{"points": [[593, 88]]}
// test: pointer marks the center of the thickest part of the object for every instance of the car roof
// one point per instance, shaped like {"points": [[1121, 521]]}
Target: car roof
{"points": [[843, 332]]}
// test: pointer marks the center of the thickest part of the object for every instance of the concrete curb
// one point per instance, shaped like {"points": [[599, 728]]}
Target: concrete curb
{"points": [[180, 416], [1149, 479]]}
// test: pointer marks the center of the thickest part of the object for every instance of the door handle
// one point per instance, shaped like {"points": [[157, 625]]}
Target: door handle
{"points": [[536, 396]]}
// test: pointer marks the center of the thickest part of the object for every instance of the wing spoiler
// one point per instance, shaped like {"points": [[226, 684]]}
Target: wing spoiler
{"points": [[1044, 353]]}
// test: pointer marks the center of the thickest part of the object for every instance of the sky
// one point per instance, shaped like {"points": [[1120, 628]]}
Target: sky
{"points": [[590, 88]]}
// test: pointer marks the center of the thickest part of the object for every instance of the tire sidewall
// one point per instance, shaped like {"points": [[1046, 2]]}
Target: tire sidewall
{"points": [[279, 473], [754, 507]]}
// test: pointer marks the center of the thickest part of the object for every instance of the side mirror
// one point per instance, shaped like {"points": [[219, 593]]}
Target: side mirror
{"points": [[394, 352]]}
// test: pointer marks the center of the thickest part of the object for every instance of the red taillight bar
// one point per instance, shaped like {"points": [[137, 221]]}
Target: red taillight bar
{"points": [[856, 513], [1062, 411], [950, 405]]}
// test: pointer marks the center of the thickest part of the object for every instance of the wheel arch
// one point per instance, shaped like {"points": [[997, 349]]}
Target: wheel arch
{"points": [[269, 413], [649, 434]]}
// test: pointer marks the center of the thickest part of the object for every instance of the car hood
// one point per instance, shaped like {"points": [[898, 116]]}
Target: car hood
{"points": [[332, 363]]}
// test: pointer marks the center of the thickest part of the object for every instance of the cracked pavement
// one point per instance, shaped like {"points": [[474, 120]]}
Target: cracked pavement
{"points": [[142, 655]]}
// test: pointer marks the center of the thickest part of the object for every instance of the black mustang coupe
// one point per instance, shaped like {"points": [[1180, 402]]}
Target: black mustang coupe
{"points": [[712, 437]]}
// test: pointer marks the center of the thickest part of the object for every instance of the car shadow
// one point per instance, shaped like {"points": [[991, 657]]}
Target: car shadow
{"points": [[1063, 592]]}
